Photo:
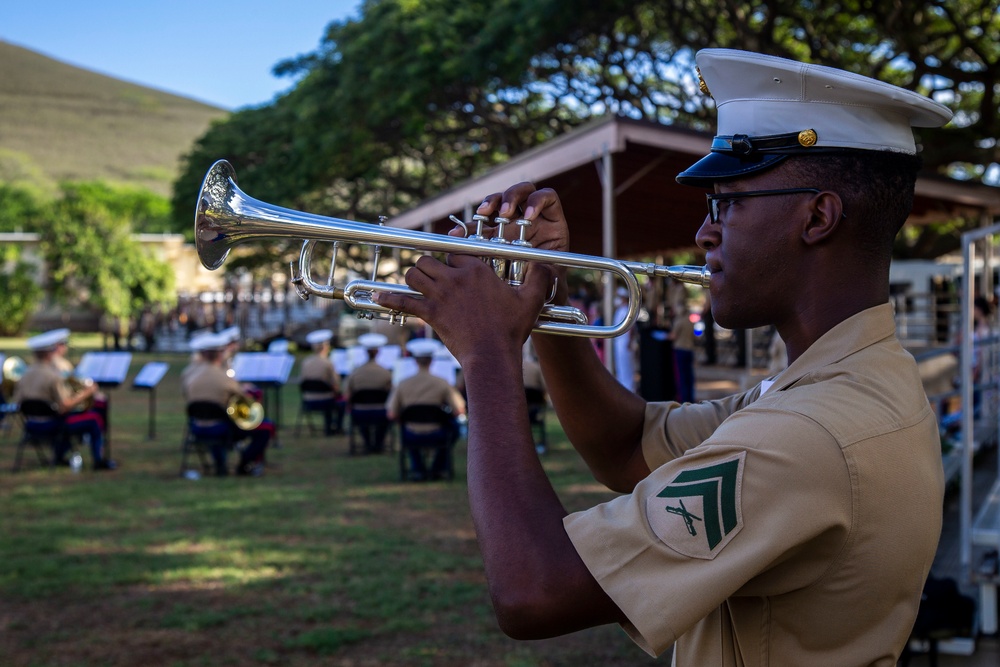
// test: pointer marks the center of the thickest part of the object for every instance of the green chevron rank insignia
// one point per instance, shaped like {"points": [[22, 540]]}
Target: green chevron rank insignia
{"points": [[699, 512]]}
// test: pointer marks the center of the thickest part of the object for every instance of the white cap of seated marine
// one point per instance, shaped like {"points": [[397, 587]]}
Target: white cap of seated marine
{"points": [[47, 341], [770, 108], [372, 340], [231, 333], [423, 347], [209, 341], [319, 336]]}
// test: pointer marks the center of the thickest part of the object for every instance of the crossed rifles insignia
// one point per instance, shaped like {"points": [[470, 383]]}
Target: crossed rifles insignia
{"points": [[699, 512]]}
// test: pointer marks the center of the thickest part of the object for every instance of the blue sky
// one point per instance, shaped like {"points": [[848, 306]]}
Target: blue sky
{"points": [[216, 51]]}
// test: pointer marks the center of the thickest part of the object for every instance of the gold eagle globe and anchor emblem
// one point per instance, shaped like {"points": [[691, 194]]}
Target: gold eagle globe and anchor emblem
{"points": [[807, 138]]}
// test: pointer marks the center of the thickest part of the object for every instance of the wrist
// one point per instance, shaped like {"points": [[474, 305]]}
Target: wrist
{"points": [[491, 364]]}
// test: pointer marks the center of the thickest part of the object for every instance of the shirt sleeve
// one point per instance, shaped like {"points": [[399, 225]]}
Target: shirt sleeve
{"points": [[708, 524], [672, 428]]}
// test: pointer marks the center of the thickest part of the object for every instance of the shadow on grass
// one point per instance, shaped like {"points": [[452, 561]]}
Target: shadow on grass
{"points": [[326, 559]]}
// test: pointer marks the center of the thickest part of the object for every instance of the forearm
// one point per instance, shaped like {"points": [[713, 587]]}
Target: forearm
{"points": [[602, 419], [539, 585]]}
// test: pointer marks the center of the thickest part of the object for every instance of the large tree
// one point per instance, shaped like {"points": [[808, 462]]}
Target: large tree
{"points": [[93, 260], [415, 96]]}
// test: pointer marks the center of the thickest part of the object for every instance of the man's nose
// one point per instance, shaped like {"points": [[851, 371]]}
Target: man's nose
{"points": [[708, 234]]}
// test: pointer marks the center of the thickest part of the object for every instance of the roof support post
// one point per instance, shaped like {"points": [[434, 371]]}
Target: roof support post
{"points": [[605, 171]]}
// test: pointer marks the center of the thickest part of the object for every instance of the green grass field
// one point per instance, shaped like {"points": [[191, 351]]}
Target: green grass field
{"points": [[328, 559]]}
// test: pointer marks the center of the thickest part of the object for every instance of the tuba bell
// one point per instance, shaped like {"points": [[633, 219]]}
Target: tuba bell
{"points": [[246, 413], [13, 371], [77, 384]]}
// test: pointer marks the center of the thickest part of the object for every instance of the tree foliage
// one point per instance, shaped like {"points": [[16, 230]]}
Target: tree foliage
{"points": [[415, 96], [19, 291], [90, 253]]}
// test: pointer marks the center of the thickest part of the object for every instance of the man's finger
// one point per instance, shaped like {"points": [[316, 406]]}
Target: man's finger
{"points": [[538, 281]]}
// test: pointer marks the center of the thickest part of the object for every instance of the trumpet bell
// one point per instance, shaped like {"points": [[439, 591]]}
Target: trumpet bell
{"points": [[215, 208]]}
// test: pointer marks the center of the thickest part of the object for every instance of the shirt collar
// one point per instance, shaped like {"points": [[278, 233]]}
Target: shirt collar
{"points": [[851, 335]]}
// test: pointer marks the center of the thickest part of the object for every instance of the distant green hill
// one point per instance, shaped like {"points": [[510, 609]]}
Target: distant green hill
{"points": [[61, 122]]}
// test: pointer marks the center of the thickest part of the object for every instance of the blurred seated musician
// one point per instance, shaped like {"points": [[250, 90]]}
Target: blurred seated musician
{"points": [[196, 359], [232, 337], [99, 402], [318, 367], [534, 390], [44, 380], [208, 381], [367, 376], [426, 389]]}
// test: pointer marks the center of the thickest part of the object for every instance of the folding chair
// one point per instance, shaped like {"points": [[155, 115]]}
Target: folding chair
{"points": [[537, 408], [308, 408], [9, 414], [44, 431], [435, 433], [208, 426], [368, 415]]}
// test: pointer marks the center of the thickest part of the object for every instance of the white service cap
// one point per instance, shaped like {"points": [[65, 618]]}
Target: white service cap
{"points": [[232, 334], [209, 341], [372, 341], [770, 108], [423, 347], [48, 340], [318, 336]]}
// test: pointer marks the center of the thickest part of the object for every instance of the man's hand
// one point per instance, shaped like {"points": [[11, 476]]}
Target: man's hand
{"points": [[548, 229], [473, 311]]}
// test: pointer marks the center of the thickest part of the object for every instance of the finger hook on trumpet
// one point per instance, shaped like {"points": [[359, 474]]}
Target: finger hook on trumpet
{"points": [[226, 216]]}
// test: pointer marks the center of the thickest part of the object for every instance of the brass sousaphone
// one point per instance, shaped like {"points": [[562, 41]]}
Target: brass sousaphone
{"points": [[13, 371], [247, 414], [77, 384]]}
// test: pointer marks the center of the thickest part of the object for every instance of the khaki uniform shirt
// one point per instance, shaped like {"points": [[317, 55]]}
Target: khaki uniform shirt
{"points": [[368, 376], [64, 365], [682, 332], [532, 375], [425, 389], [319, 367], [208, 382], [794, 526], [191, 368], [42, 381]]}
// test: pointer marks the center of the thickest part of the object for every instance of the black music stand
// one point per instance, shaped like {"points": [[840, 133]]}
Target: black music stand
{"points": [[108, 370], [147, 378], [267, 370]]}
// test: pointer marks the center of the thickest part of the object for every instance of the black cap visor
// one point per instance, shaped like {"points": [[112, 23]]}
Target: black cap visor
{"points": [[719, 166]]}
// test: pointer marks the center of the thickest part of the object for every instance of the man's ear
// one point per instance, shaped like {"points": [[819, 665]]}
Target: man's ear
{"points": [[827, 214]]}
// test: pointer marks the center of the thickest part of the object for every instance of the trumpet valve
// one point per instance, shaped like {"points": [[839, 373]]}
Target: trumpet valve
{"points": [[522, 238], [500, 265], [480, 220], [518, 266]]}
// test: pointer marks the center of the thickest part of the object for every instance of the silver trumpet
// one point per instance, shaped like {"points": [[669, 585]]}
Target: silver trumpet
{"points": [[226, 217]]}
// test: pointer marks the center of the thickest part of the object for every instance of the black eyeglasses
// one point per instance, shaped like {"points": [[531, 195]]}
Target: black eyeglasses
{"points": [[715, 199]]}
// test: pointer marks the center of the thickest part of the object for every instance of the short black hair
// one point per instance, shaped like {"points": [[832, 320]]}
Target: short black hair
{"points": [[876, 188]]}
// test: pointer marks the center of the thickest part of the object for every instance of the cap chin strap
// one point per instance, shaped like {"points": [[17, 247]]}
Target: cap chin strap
{"points": [[743, 145]]}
